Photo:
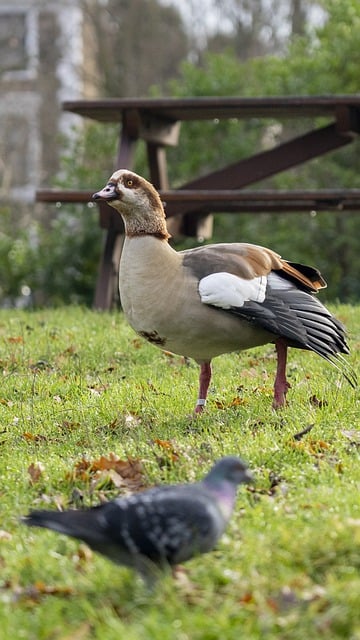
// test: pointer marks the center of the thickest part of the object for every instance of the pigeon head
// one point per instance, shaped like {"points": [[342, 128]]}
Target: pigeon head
{"points": [[230, 469]]}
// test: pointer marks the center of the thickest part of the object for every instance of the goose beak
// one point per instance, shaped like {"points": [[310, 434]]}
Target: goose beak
{"points": [[109, 192]]}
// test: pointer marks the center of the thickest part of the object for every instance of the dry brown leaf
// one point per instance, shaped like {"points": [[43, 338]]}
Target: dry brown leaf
{"points": [[34, 437], [108, 477], [313, 447], [81, 468], [36, 591], [35, 471], [121, 473], [125, 468], [7, 403], [137, 343], [314, 400], [16, 339], [98, 389], [71, 349], [68, 425], [264, 390], [235, 402], [168, 447], [247, 598]]}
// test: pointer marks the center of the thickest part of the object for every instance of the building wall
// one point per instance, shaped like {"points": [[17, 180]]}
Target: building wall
{"points": [[41, 61]]}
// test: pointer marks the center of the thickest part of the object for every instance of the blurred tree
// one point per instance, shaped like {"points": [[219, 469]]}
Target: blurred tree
{"points": [[138, 43], [309, 66], [320, 57], [249, 27]]}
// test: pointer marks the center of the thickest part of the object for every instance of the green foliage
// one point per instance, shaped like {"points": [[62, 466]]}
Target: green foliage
{"points": [[87, 156], [329, 240], [50, 264], [17, 255], [324, 60], [78, 385], [68, 256]]}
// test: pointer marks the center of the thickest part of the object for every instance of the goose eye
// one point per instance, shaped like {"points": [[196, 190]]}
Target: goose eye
{"points": [[129, 182]]}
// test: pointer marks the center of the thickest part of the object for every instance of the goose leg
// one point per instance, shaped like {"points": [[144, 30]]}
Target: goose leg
{"points": [[204, 381], [281, 385]]}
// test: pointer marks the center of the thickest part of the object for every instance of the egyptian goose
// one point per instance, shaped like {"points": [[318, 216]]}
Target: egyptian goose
{"points": [[218, 298]]}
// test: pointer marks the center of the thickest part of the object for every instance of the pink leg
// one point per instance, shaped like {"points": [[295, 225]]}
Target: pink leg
{"points": [[281, 385], [204, 381]]}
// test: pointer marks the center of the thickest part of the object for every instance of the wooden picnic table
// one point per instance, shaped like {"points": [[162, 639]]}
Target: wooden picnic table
{"points": [[157, 121]]}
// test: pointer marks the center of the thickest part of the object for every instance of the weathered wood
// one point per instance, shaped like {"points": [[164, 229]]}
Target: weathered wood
{"points": [[333, 198], [209, 108]]}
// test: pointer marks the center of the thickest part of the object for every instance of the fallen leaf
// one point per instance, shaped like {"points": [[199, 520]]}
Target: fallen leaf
{"points": [[7, 403], [235, 402], [137, 343], [165, 444], [70, 350], [16, 339], [272, 604], [82, 556], [36, 591], [109, 477], [34, 437], [35, 471], [126, 468], [168, 447], [99, 389], [313, 447], [267, 391], [152, 387], [247, 598], [317, 403], [128, 473], [68, 425], [81, 469], [40, 365]]}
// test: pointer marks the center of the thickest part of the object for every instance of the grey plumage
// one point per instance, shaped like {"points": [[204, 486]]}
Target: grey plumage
{"points": [[157, 528]]}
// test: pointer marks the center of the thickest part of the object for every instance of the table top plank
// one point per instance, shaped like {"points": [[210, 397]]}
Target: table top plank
{"points": [[332, 197], [213, 107]]}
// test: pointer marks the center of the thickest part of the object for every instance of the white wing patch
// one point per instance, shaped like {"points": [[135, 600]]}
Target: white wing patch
{"points": [[226, 290], [277, 282]]}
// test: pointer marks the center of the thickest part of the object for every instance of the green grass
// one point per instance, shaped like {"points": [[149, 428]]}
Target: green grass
{"points": [[77, 385]]}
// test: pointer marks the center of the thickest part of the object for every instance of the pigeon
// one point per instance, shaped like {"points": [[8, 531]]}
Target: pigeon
{"points": [[158, 528], [219, 298]]}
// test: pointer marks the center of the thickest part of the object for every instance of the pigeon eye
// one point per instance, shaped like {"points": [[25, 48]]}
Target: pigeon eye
{"points": [[129, 182]]}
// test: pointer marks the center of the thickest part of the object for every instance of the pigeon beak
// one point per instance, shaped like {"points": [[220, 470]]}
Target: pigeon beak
{"points": [[109, 192]]}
